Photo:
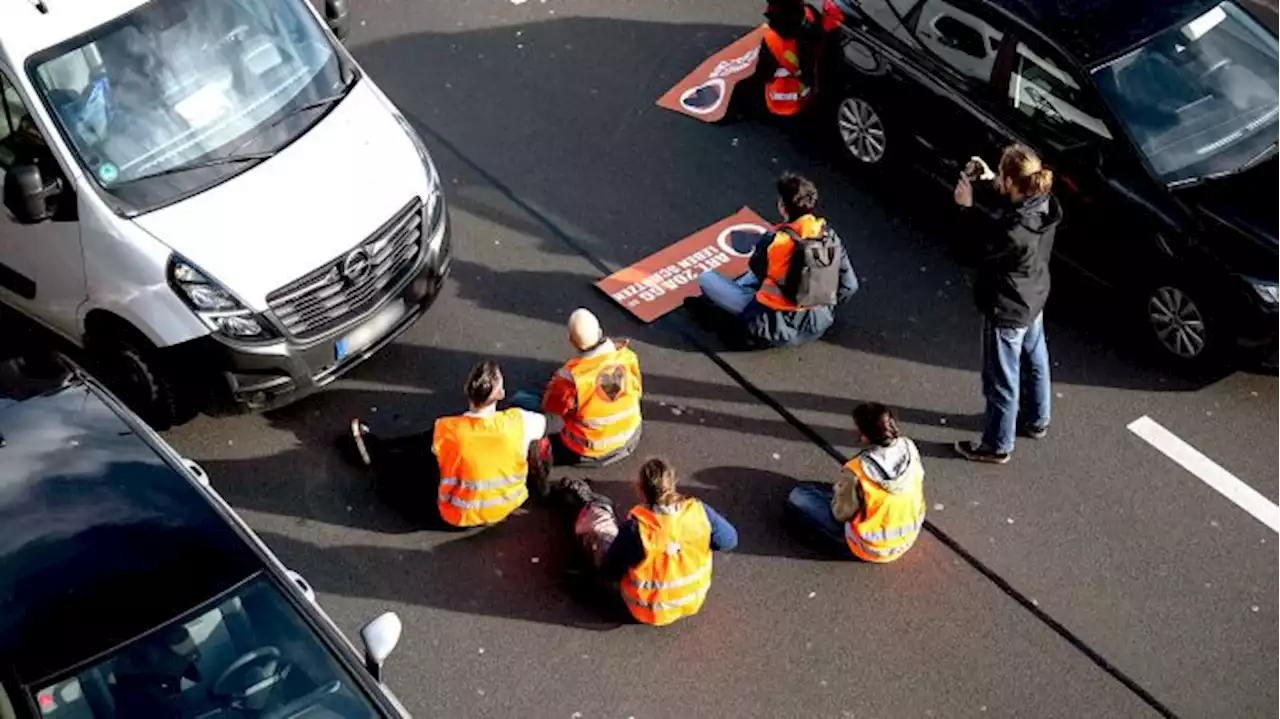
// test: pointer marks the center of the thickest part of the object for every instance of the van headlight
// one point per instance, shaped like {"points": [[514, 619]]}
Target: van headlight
{"points": [[433, 177], [213, 304]]}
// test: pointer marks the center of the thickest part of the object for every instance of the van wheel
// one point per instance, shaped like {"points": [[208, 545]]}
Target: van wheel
{"points": [[860, 129], [132, 369], [1183, 325]]}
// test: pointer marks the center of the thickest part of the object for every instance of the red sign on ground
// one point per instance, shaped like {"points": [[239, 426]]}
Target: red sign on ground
{"points": [[704, 93], [660, 282]]}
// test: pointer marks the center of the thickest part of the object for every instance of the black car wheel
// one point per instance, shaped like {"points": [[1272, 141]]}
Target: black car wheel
{"points": [[1182, 324], [861, 130], [132, 370]]}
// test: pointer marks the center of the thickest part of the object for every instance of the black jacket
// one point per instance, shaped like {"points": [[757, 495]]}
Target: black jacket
{"points": [[1013, 263]]}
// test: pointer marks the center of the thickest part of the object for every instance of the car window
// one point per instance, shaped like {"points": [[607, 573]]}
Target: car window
{"points": [[962, 40], [13, 116], [249, 654], [1049, 96]]}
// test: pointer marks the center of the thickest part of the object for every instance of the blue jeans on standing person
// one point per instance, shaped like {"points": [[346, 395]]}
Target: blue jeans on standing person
{"points": [[1015, 381], [732, 296], [810, 504]]}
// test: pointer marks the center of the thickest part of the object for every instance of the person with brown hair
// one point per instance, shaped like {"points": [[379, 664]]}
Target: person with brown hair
{"points": [[876, 509], [1017, 221], [661, 553], [478, 466]]}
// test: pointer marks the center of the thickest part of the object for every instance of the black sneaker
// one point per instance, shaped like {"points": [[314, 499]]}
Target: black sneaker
{"points": [[975, 452], [1036, 432]]}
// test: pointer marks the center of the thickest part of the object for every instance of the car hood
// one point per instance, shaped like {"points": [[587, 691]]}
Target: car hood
{"points": [[1246, 205], [309, 204]]}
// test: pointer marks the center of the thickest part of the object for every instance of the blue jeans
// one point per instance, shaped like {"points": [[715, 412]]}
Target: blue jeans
{"points": [[1015, 381], [732, 296], [810, 503]]}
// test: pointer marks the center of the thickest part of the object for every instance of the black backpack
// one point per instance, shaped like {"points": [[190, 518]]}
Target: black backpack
{"points": [[813, 279]]}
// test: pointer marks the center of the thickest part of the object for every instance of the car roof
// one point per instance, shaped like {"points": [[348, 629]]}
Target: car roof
{"points": [[101, 539], [1097, 30], [27, 29]]}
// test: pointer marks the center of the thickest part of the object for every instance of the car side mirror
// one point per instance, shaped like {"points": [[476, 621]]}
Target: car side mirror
{"points": [[380, 637], [338, 17], [26, 196]]}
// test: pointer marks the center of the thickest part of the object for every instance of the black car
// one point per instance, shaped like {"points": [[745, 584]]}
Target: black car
{"points": [[1159, 118], [128, 587]]}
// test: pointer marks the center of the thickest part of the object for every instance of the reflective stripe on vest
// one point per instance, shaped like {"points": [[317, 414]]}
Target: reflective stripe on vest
{"points": [[672, 580], [484, 465], [780, 253], [887, 524], [607, 414]]}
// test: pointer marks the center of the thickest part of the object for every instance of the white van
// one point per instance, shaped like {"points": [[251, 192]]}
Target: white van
{"points": [[210, 196]]}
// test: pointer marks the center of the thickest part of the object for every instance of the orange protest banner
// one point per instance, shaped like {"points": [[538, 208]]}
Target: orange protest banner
{"points": [[704, 93], [660, 282]]}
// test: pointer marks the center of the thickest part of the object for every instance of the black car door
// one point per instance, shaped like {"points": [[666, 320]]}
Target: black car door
{"points": [[929, 64], [1052, 106]]}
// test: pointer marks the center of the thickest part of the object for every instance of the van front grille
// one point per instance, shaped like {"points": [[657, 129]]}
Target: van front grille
{"points": [[352, 284]]}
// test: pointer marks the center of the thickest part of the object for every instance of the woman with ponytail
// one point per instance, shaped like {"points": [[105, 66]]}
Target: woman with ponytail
{"points": [[1014, 227]]}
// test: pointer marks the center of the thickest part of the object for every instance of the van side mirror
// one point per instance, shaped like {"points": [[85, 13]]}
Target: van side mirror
{"points": [[338, 17], [380, 637], [26, 195]]}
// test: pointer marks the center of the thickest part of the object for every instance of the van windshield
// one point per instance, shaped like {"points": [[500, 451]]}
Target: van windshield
{"points": [[162, 102], [247, 655], [1199, 99]]}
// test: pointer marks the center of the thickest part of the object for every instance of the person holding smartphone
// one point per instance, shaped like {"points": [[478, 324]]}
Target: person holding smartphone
{"points": [[1015, 225]]}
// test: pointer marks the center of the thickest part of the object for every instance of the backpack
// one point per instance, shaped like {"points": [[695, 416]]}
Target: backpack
{"points": [[813, 279]]}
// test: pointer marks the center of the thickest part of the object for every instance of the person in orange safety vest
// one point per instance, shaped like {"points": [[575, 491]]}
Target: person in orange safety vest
{"points": [[760, 299], [597, 394], [792, 43], [484, 462], [660, 555], [876, 509]]}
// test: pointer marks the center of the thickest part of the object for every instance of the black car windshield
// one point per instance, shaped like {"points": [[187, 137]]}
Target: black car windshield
{"points": [[248, 655], [1199, 99], [189, 82]]}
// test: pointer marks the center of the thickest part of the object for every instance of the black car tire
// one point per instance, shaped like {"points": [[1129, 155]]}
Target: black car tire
{"points": [[133, 370], [860, 129], [1182, 324]]}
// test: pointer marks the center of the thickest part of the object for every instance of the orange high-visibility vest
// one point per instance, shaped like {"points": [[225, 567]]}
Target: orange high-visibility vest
{"points": [[608, 406], [484, 464], [784, 94], [886, 525], [780, 252], [673, 579]]}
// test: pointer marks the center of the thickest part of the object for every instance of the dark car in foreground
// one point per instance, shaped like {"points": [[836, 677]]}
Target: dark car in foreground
{"points": [[1159, 118], [129, 588]]}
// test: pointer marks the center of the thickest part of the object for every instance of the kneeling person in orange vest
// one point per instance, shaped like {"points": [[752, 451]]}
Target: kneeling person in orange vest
{"points": [[797, 275], [877, 507], [597, 394], [661, 553], [480, 463]]}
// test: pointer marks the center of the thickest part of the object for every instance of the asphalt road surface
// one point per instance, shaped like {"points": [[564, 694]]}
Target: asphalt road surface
{"points": [[1092, 576]]}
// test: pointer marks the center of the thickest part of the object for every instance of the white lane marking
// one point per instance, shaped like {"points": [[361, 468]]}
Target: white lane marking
{"points": [[1244, 496]]}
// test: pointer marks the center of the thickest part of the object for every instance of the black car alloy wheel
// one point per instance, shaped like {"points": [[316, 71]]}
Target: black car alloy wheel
{"points": [[1179, 322], [862, 132]]}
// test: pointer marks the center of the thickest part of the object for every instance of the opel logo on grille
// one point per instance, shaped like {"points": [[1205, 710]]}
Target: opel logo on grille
{"points": [[357, 265]]}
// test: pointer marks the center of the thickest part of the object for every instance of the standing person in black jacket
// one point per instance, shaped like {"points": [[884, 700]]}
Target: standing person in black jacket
{"points": [[1011, 289]]}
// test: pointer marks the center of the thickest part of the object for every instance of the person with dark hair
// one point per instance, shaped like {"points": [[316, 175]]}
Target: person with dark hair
{"points": [[661, 553], [1018, 217], [797, 275], [876, 509], [790, 54], [481, 463]]}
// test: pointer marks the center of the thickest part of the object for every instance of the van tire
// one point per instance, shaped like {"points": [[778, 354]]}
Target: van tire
{"points": [[860, 129], [1198, 325], [134, 370]]}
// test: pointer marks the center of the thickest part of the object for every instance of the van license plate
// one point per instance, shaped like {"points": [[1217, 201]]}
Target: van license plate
{"points": [[369, 332]]}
